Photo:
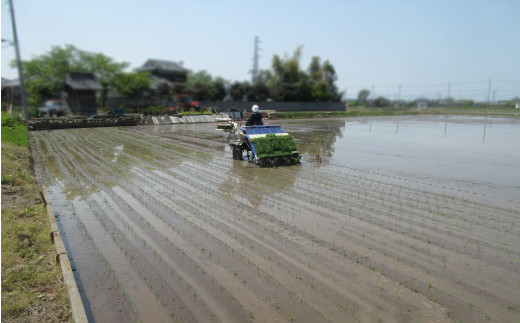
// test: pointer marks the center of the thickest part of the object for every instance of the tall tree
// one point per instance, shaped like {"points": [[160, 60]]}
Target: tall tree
{"points": [[329, 77], [220, 90], [287, 70], [132, 85], [204, 87], [239, 90], [289, 83], [363, 96], [323, 78], [44, 74]]}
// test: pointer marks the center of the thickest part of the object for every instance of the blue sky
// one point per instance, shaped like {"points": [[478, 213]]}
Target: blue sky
{"points": [[428, 48]]}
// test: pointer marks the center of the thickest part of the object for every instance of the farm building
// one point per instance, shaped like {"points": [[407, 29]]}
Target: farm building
{"points": [[81, 92], [162, 71], [11, 96]]}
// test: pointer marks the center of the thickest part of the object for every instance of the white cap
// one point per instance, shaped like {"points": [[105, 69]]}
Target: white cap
{"points": [[255, 108]]}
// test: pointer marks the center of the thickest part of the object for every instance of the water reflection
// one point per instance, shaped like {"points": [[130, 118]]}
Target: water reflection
{"points": [[477, 150], [318, 138], [247, 180]]}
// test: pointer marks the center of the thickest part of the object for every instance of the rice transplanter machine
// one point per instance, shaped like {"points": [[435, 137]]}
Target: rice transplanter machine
{"points": [[267, 146]]}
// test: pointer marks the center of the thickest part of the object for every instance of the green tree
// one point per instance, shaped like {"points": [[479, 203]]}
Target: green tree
{"points": [[163, 90], [204, 87], [315, 70], [363, 96], [323, 78], [220, 91], [329, 77], [179, 88], [44, 74], [259, 92], [239, 90], [320, 92], [381, 102], [131, 85], [287, 82], [288, 70]]}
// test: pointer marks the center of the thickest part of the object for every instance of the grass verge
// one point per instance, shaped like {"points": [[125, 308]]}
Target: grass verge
{"points": [[32, 282], [370, 112]]}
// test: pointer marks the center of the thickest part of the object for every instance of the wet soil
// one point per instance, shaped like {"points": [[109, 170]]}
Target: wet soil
{"points": [[163, 225]]}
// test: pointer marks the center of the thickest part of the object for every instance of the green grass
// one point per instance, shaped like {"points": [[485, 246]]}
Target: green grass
{"points": [[32, 287], [14, 131], [191, 113], [391, 111]]}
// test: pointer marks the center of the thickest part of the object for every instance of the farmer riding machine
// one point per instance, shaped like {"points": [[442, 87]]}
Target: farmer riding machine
{"points": [[267, 146]]}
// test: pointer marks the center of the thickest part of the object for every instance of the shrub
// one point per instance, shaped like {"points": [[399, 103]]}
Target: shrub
{"points": [[14, 131], [155, 110]]}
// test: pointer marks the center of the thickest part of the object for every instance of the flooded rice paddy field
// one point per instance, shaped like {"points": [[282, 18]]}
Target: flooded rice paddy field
{"points": [[397, 220]]}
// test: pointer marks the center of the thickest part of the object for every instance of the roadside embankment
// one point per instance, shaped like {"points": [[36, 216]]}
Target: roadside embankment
{"points": [[82, 122], [117, 121], [32, 283]]}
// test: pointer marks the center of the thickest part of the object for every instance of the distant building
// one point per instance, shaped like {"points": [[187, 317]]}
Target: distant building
{"points": [[11, 94], [162, 71], [81, 92], [422, 104]]}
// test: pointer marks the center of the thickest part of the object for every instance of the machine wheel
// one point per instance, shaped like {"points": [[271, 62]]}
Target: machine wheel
{"points": [[237, 152]]}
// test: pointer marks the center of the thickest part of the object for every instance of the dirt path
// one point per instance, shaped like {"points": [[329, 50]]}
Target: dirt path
{"points": [[167, 224]]}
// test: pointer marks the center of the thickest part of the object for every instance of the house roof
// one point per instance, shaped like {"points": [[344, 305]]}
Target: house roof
{"points": [[82, 81], [10, 83], [156, 65]]}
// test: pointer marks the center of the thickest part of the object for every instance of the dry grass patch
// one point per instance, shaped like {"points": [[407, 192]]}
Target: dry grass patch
{"points": [[32, 287]]}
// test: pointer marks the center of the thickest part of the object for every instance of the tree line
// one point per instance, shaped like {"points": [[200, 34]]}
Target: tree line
{"points": [[285, 81]]}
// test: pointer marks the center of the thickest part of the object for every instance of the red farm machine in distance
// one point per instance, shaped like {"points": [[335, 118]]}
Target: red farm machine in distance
{"points": [[182, 103]]}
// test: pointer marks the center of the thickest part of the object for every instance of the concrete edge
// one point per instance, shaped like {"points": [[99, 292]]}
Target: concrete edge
{"points": [[78, 311]]}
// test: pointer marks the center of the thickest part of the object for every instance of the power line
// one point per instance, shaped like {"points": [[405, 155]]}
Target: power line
{"points": [[485, 90]]}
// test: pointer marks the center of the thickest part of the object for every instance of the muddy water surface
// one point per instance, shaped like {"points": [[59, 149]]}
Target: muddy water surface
{"points": [[478, 152], [392, 220]]}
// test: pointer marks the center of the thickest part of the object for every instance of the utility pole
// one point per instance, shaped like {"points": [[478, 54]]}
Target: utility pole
{"points": [[449, 93], [255, 61], [19, 63], [346, 100], [489, 93], [399, 98]]}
